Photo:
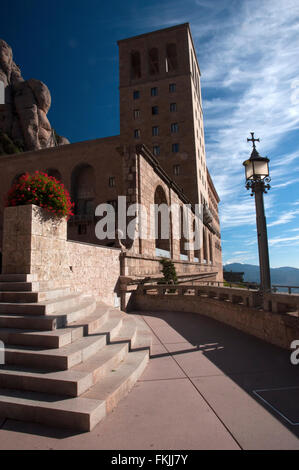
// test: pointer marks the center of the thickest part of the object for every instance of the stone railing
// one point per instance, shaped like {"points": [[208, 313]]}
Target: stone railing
{"points": [[271, 317], [247, 297]]}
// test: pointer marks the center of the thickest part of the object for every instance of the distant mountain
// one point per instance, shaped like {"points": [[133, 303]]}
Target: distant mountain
{"points": [[285, 276]]}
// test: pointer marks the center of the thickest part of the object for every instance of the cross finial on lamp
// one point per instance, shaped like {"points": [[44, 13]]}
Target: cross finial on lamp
{"points": [[253, 140]]}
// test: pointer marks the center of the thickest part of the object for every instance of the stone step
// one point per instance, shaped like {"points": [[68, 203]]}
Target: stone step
{"points": [[18, 286], [112, 325], [70, 383], [81, 414], [29, 297], [94, 320], [18, 277], [127, 332], [55, 359], [114, 386], [44, 308], [49, 322], [105, 360], [143, 339], [45, 339]]}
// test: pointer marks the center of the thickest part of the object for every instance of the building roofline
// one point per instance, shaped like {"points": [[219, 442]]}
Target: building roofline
{"points": [[171, 28], [210, 181]]}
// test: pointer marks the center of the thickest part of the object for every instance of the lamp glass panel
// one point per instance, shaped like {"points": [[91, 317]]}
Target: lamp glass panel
{"points": [[249, 170], [261, 169]]}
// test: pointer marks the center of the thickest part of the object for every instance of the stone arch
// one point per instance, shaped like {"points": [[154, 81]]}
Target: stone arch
{"points": [[184, 227], [153, 61], [211, 248], [204, 246], [162, 223], [171, 57], [135, 64], [83, 184], [197, 238], [54, 173]]}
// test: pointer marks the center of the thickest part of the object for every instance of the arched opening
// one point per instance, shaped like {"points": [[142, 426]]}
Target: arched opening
{"points": [[162, 225], [135, 64], [184, 234], [197, 240], [83, 185], [171, 57], [54, 173], [153, 61], [204, 247], [211, 249]]}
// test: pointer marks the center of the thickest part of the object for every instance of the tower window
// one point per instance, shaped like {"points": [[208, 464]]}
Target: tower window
{"points": [[154, 91], [135, 64], [153, 61], [156, 149], [171, 57], [136, 94], [172, 87], [136, 113], [155, 110], [173, 107], [175, 148], [176, 170], [112, 182], [155, 131], [174, 127], [137, 133]]}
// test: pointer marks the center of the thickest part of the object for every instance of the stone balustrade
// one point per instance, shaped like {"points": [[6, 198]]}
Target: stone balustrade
{"points": [[271, 317], [247, 297]]}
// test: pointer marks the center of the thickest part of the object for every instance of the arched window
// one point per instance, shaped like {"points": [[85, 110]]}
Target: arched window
{"points": [[54, 173], [211, 248], [205, 247], [171, 57], [83, 190], [135, 64], [162, 226], [184, 233], [153, 61], [197, 240]]}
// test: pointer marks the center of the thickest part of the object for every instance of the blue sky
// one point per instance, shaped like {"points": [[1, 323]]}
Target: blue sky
{"points": [[248, 51]]}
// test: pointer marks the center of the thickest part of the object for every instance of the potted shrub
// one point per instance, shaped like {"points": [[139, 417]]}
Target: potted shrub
{"points": [[41, 190]]}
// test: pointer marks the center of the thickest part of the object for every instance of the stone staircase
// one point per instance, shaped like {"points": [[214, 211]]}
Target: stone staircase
{"points": [[68, 359]]}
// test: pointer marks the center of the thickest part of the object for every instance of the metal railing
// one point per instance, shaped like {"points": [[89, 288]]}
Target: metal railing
{"points": [[275, 288]]}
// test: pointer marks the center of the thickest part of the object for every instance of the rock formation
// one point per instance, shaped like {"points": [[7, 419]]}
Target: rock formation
{"points": [[23, 118]]}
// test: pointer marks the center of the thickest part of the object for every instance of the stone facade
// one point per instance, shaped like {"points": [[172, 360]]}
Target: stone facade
{"points": [[34, 243], [99, 171]]}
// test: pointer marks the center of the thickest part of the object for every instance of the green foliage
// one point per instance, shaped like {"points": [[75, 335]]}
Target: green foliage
{"points": [[169, 272], [42, 190], [8, 146]]}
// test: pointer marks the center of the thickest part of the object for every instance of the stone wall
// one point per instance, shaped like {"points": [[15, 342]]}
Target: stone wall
{"points": [[275, 328], [34, 244]]}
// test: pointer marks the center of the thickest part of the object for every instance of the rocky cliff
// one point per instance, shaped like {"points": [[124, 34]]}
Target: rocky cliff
{"points": [[23, 118]]}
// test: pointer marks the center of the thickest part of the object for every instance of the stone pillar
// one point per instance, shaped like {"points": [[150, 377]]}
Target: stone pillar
{"points": [[33, 241]]}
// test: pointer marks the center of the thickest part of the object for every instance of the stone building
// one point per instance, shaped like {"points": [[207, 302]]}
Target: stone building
{"points": [[159, 157]]}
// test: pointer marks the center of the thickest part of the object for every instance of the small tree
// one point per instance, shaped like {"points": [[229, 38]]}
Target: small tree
{"points": [[169, 272]]}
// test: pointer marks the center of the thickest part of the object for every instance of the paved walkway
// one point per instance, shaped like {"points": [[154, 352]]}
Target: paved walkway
{"points": [[198, 392]]}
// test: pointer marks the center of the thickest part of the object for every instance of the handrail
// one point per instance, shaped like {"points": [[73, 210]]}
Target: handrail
{"points": [[275, 286]]}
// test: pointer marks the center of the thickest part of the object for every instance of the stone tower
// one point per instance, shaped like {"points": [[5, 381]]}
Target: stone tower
{"points": [[160, 104]]}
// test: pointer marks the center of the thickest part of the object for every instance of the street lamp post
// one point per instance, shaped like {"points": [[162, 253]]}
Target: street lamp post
{"points": [[257, 175]]}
